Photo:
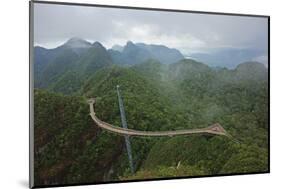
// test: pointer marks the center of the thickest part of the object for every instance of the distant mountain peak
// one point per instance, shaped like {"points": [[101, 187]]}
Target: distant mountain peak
{"points": [[134, 53], [251, 63], [130, 43], [97, 45], [251, 66], [130, 47], [117, 48], [251, 71], [77, 42]]}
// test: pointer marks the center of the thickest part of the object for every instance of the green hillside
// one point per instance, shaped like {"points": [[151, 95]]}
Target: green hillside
{"points": [[70, 148]]}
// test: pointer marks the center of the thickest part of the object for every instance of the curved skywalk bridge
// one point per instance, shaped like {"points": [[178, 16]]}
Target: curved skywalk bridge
{"points": [[215, 129]]}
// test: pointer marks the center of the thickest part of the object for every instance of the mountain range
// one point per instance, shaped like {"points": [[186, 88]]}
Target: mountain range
{"points": [[78, 58], [161, 91], [137, 53], [230, 57]]}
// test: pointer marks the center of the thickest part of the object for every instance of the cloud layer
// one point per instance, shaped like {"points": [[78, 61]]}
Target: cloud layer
{"points": [[188, 32]]}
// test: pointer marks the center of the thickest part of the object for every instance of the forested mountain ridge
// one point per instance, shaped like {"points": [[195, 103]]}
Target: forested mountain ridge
{"points": [[137, 53], [50, 62], [69, 148], [68, 65]]}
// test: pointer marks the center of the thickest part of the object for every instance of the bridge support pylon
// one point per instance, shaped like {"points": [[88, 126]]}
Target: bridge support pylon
{"points": [[124, 125]]}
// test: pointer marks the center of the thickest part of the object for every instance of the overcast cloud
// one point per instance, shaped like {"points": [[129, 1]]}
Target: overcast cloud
{"points": [[188, 32]]}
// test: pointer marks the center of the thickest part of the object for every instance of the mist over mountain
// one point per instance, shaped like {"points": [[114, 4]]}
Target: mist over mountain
{"points": [[117, 48], [76, 42], [159, 94], [75, 57], [82, 58], [139, 52], [135, 53], [251, 70], [230, 57]]}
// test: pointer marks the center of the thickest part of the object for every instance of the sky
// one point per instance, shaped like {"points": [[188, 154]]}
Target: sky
{"points": [[188, 32]]}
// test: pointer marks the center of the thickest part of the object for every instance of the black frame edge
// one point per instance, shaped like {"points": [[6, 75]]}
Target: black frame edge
{"points": [[268, 54]]}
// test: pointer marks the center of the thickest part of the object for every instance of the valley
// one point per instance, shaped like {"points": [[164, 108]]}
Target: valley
{"points": [[162, 91]]}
